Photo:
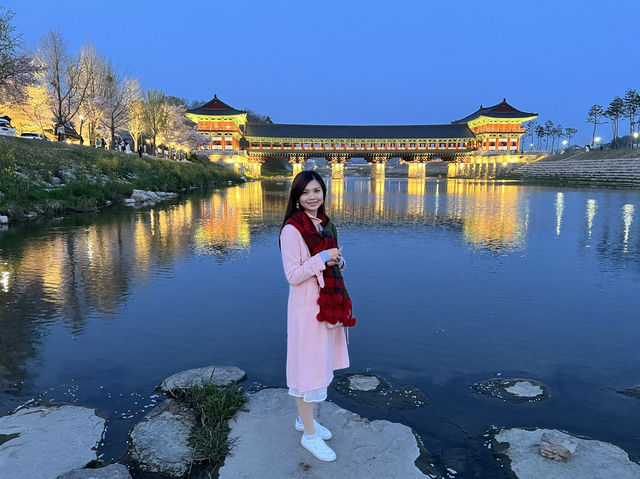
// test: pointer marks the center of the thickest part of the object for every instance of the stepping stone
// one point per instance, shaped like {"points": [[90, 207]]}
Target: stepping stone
{"points": [[375, 391], [45, 442], [267, 444], [216, 375], [591, 459], [159, 443], [513, 390]]}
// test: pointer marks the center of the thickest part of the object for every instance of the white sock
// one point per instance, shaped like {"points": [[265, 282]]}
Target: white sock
{"points": [[312, 436]]}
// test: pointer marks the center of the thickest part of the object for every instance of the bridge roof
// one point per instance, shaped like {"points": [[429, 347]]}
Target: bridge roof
{"points": [[499, 110], [215, 107], [264, 130]]}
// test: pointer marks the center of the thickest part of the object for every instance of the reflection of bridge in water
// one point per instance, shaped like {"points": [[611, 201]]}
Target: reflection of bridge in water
{"points": [[492, 129]]}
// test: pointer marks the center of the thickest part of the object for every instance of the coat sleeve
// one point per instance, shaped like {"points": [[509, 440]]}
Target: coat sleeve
{"points": [[296, 269]]}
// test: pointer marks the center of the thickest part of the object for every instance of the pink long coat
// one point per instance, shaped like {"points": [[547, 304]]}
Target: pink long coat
{"points": [[313, 350]]}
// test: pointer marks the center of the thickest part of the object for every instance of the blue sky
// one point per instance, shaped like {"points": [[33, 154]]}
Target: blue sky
{"points": [[364, 62]]}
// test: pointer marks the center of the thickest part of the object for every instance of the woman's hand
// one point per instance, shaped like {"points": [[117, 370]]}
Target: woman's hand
{"points": [[335, 256]]}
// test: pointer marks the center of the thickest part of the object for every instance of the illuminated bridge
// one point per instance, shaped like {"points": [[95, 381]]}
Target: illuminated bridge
{"points": [[496, 128]]}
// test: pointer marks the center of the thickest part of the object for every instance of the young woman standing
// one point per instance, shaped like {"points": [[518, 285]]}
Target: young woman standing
{"points": [[318, 306]]}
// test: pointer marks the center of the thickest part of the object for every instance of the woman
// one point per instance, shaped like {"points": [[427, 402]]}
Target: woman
{"points": [[318, 305]]}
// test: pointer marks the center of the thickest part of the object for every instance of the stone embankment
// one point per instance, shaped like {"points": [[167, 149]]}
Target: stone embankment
{"points": [[620, 172]]}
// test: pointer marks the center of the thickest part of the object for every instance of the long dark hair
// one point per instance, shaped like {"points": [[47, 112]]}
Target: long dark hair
{"points": [[300, 182]]}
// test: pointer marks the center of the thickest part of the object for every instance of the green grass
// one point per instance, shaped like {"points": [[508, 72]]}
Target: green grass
{"points": [[89, 177], [214, 407]]}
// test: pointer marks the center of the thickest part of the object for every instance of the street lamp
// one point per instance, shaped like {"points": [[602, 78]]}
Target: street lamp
{"points": [[635, 139]]}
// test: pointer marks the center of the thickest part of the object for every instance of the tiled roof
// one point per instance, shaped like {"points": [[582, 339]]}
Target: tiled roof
{"points": [[215, 107], [500, 110], [355, 131]]}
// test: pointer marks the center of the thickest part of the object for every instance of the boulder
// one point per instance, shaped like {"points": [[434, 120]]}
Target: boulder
{"points": [[216, 375], [557, 445], [112, 471], [592, 459], [45, 442], [364, 448], [160, 442]]}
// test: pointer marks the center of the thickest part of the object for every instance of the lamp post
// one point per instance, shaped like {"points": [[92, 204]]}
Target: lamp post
{"points": [[564, 143], [81, 123], [597, 140], [635, 139]]}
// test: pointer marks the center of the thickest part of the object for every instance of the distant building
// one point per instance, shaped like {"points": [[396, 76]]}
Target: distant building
{"points": [[495, 128]]}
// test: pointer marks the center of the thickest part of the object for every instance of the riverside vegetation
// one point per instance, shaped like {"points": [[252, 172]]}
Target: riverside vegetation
{"points": [[42, 178], [213, 407]]}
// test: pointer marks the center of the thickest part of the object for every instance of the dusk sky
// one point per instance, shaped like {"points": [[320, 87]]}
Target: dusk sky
{"points": [[364, 62]]}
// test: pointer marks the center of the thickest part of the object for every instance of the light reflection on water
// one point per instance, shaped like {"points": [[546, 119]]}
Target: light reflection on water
{"points": [[536, 281]]}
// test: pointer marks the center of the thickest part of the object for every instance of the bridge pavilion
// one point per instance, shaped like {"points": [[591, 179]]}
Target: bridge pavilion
{"points": [[492, 129]]}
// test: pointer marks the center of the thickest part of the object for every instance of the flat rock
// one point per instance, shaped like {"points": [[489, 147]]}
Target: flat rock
{"points": [[557, 445], [592, 459], [267, 444], [216, 375], [375, 391], [361, 382], [513, 390], [633, 392], [45, 442], [160, 441], [112, 471]]}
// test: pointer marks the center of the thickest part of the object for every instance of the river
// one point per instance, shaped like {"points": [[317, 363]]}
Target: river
{"points": [[453, 282]]}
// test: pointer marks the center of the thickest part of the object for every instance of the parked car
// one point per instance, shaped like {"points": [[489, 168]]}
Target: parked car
{"points": [[5, 126], [33, 136]]}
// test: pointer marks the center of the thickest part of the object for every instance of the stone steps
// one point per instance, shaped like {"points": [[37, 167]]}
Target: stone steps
{"points": [[619, 171]]}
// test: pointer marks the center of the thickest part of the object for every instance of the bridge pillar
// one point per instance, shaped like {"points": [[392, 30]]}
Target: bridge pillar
{"points": [[297, 164], [418, 169], [255, 169], [297, 168], [377, 170], [337, 170]]}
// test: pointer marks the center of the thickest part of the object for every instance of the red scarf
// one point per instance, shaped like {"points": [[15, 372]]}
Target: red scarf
{"points": [[334, 301]]}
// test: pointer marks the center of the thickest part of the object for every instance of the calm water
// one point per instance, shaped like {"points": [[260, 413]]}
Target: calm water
{"points": [[453, 281]]}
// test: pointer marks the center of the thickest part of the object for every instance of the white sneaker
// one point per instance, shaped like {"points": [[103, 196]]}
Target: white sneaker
{"points": [[318, 448], [322, 431]]}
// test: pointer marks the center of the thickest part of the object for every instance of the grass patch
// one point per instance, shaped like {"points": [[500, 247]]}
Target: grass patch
{"points": [[49, 178], [214, 407]]}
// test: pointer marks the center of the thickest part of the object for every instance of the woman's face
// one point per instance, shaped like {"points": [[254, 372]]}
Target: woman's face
{"points": [[311, 198]]}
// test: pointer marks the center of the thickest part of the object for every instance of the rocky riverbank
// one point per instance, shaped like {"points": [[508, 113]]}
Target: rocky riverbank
{"points": [[60, 441], [43, 179]]}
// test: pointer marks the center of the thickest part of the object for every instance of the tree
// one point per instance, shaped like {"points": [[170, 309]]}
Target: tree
{"points": [[548, 133], [93, 70], [557, 132], [118, 89], [31, 111], [631, 109], [531, 130], [570, 132], [614, 111], [16, 68], [594, 115], [63, 77], [135, 120], [539, 134], [256, 117], [155, 113]]}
